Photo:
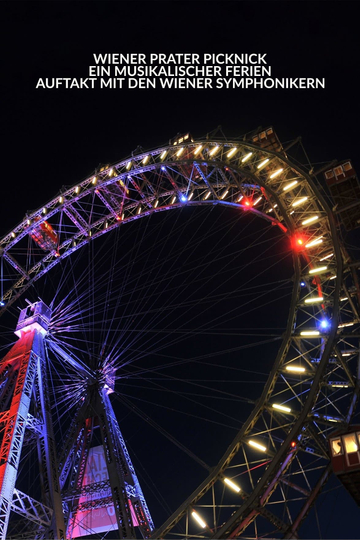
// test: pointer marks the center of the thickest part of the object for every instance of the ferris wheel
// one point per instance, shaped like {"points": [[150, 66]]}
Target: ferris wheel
{"points": [[98, 325]]}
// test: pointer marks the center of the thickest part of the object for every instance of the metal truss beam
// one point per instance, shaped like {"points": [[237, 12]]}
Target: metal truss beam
{"points": [[76, 218], [320, 484], [16, 265], [107, 204], [117, 471], [31, 509]]}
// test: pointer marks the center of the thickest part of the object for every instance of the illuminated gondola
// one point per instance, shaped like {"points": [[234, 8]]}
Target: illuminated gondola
{"points": [[345, 458]]}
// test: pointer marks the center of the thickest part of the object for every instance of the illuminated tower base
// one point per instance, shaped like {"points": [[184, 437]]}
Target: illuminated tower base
{"points": [[90, 486], [99, 484], [26, 421]]}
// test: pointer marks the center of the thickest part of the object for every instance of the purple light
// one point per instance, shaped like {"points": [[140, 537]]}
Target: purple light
{"points": [[163, 168]]}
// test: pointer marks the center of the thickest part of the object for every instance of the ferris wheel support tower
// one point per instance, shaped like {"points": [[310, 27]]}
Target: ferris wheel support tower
{"points": [[24, 388], [26, 417]]}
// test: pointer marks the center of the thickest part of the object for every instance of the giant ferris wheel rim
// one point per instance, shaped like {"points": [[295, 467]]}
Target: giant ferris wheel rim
{"points": [[259, 177], [90, 186]]}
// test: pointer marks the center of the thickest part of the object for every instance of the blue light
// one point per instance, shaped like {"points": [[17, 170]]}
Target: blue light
{"points": [[324, 324], [163, 168], [302, 284], [183, 198], [2, 303]]}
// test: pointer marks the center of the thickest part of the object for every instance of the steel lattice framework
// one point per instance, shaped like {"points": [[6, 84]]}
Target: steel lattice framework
{"points": [[25, 379], [313, 386]]}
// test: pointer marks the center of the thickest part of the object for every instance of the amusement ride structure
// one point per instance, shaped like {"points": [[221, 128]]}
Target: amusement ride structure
{"points": [[270, 475]]}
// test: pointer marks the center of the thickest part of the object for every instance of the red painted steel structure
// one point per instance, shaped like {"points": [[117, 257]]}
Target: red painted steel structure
{"points": [[23, 373]]}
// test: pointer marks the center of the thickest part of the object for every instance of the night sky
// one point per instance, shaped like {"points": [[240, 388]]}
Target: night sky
{"points": [[54, 138]]}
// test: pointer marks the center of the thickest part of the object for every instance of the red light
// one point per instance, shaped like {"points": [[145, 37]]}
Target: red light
{"points": [[247, 203], [282, 227], [293, 444], [298, 242]]}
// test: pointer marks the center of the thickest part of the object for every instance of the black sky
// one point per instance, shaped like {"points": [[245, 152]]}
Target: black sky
{"points": [[61, 135]]}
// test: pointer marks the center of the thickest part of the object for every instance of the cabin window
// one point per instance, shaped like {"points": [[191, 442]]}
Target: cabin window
{"points": [[336, 447], [329, 174], [338, 171], [347, 166], [350, 443]]}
